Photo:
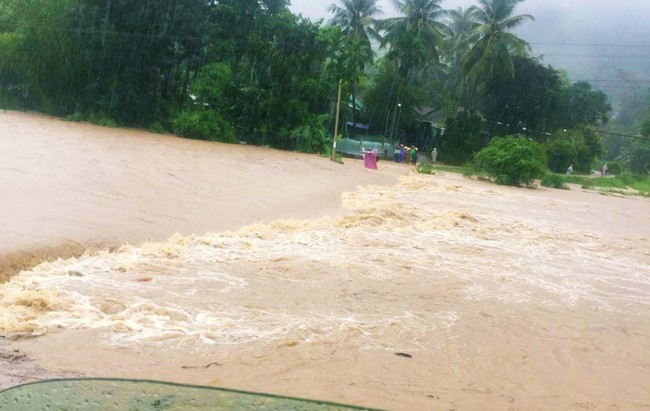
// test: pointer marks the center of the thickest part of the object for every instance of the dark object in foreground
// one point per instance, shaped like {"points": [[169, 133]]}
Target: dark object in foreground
{"points": [[114, 395], [403, 354]]}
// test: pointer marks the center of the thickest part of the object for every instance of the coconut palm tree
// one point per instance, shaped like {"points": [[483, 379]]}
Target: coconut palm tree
{"points": [[356, 19], [416, 36], [492, 43], [461, 26], [414, 39]]}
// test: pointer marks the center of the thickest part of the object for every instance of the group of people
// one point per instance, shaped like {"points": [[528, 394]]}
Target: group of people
{"points": [[402, 154], [405, 154]]}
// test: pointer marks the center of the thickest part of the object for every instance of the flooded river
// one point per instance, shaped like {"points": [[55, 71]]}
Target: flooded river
{"points": [[322, 281]]}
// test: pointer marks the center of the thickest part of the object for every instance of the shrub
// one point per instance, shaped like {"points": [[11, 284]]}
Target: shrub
{"points": [[554, 181], [312, 136], [586, 146], [510, 161], [102, 120], [588, 184], [425, 168], [203, 125], [614, 167], [462, 138], [156, 127], [76, 117], [560, 154]]}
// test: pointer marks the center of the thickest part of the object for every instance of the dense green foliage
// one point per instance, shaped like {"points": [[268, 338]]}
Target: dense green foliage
{"points": [[203, 124], [579, 146], [425, 168], [510, 161], [462, 138], [251, 70], [637, 156], [560, 153], [532, 99], [312, 136], [554, 181], [621, 182]]}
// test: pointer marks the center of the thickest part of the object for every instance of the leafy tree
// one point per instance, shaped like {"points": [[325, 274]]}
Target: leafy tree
{"points": [[461, 25], [138, 57], [414, 40], [560, 154], [462, 138], [511, 161], [39, 56], [586, 145], [349, 59], [312, 136], [356, 19], [381, 96], [211, 85], [276, 60], [531, 100], [582, 105]]}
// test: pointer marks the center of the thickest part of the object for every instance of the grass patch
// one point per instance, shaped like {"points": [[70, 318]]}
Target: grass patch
{"points": [[425, 168], [76, 117], [555, 181], [448, 168], [621, 182], [156, 128]]}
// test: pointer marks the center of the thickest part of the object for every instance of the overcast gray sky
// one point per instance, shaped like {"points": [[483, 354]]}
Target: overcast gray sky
{"points": [[623, 11], [606, 19], [568, 34]]}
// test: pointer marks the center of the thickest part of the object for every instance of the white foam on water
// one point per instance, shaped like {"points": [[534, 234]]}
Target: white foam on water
{"points": [[377, 277]]}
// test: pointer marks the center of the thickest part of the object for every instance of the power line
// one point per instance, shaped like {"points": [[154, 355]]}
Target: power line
{"points": [[603, 56], [637, 137], [526, 130], [591, 45], [614, 81], [620, 87]]}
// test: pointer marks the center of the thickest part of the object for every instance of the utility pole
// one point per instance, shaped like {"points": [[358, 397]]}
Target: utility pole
{"points": [[336, 123], [392, 129]]}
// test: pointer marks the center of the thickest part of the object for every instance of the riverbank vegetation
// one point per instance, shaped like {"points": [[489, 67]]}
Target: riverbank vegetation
{"points": [[253, 71]]}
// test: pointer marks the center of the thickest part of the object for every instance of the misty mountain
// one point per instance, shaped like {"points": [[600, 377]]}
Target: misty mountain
{"points": [[605, 43]]}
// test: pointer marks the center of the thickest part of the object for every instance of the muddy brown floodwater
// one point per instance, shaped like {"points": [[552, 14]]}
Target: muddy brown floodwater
{"points": [[313, 276]]}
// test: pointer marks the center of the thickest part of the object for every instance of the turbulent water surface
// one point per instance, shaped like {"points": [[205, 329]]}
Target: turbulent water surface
{"points": [[493, 297]]}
